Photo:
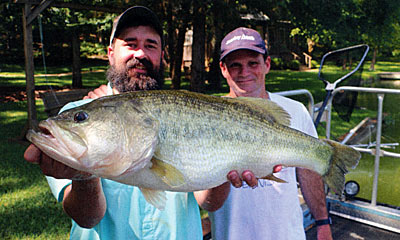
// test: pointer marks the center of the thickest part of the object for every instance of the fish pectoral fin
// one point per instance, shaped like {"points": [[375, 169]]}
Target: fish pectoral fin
{"points": [[273, 178], [167, 173], [155, 197]]}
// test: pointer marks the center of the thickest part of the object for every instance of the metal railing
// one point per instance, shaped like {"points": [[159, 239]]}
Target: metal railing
{"points": [[301, 92], [378, 152]]}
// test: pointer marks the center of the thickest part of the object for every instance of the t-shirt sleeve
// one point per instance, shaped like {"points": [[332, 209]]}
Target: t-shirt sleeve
{"points": [[300, 117], [308, 124], [75, 104], [57, 187]]}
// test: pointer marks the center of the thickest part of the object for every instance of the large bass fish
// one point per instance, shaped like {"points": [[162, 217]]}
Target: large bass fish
{"points": [[185, 141]]}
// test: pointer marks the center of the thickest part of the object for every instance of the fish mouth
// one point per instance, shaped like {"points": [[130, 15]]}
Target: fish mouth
{"points": [[45, 133], [58, 143]]}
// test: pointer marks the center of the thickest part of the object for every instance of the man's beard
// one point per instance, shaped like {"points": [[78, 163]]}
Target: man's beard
{"points": [[123, 82]]}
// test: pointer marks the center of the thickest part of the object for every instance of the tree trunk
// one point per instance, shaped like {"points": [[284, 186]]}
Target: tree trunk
{"points": [[214, 74], [176, 80], [76, 55], [171, 39], [29, 68], [198, 47], [373, 61], [76, 61]]}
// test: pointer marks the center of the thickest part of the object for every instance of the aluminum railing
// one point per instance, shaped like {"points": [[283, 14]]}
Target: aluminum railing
{"points": [[301, 92], [378, 152]]}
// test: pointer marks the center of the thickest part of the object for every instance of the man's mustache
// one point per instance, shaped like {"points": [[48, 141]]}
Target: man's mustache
{"points": [[135, 62]]}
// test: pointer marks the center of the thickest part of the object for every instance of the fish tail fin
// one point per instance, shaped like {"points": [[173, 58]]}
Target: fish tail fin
{"points": [[343, 158]]}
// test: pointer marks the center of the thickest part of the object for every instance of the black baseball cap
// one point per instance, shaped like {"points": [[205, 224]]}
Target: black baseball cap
{"points": [[136, 16], [242, 38]]}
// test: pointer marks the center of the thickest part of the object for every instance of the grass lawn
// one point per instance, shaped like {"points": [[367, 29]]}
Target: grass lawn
{"points": [[93, 74], [27, 208]]}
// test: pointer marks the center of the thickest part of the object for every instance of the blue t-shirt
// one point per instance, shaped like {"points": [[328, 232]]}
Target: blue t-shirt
{"points": [[129, 216]]}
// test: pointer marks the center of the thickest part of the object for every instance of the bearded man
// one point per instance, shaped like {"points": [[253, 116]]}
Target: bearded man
{"points": [[104, 209]]}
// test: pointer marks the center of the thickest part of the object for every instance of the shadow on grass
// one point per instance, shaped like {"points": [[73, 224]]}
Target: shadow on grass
{"points": [[37, 216]]}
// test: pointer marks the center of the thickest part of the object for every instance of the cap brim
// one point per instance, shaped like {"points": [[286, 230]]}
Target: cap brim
{"points": [[255, 49], [140, 13]]}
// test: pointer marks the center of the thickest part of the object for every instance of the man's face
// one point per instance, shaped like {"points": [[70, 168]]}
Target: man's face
{"points": [[136, 60], [245, 72]]}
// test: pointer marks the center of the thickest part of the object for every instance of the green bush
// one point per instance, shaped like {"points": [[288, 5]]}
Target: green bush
{"points": [[293, 65], [276, 63], [314, 64], [90, 49]]}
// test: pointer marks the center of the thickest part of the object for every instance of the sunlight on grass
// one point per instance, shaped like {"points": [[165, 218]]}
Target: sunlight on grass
{"points": [[92, 76], [15, 197], [14, 114], [12, 75]]}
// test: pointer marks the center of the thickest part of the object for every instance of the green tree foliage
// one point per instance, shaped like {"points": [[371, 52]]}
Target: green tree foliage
{"points": [[380, 22], [316, 26], [11, 44], [332, 24], [336, 24]]}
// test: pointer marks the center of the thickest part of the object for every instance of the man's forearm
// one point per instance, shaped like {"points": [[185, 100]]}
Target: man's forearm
{"points": [[84, 202], [312, 188]]}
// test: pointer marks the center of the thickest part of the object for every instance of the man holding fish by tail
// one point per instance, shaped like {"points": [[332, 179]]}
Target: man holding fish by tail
{"points": [[272, 210], [104, 209]]}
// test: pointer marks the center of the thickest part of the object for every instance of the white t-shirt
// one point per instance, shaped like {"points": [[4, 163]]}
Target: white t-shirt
{"points": [[271, 210]]}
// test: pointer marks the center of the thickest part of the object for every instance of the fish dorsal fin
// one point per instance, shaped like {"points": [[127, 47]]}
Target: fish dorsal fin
{"points": [[167, 173], [268, 108], [155, 197], [274, 178]]}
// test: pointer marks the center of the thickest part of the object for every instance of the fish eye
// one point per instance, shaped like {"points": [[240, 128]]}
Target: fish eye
{"points": [[80, 116]]}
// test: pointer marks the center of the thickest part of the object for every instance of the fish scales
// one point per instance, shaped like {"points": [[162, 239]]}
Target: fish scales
{"points": [[243, 139], [184, 141]]}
